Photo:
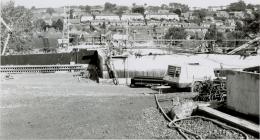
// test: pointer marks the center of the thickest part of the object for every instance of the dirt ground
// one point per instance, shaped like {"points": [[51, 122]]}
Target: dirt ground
{"points": [[62, 106]]}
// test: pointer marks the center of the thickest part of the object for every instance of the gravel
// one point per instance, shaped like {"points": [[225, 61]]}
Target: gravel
{"points": [[210, 130], [156, 125]]}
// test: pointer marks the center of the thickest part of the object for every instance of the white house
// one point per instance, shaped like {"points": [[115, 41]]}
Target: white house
{"points": [[86, 18], [107, 17], [171, 16], [222, 14], [132, 16]]}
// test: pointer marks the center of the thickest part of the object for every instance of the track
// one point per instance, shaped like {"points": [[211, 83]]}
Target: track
{"points": [[41, 68]]}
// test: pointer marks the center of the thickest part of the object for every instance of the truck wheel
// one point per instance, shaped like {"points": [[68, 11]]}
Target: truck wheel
{"points": [[132, 85]]}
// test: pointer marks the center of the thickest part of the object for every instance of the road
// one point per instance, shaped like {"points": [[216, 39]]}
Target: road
{"points": [[61, 106]]}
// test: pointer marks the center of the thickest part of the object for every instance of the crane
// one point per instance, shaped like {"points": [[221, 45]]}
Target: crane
{"points": [[244, 46], [8, 35]]}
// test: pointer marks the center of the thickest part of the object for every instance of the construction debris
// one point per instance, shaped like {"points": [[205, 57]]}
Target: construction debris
{"points": [[211, 90]]}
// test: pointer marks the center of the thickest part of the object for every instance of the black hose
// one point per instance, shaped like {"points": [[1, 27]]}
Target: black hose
{"points": [[216, 122], [173, 124]]}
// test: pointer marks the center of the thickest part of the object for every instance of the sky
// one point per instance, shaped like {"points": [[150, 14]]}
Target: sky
{"points": [[190, 3]]}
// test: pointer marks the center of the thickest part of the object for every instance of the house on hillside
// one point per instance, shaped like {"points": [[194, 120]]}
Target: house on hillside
{"points": [[209, 18], [163, 11], [74, 21], [218, 22], [230, 22], [217, 8], [205, 24], [170, 16], [39, 10], [132, 16], [107, 17], [188, 15], [78, 13], [222, 14], [224, 28], [136, 23], [237, 14], [86, 18], [96, 9]]}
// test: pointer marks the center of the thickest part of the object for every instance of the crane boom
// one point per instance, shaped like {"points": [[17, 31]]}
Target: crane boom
{"points": [[244, 46]]}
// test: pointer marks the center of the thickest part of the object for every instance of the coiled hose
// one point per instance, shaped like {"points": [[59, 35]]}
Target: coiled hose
{"points": [[172, 123]]}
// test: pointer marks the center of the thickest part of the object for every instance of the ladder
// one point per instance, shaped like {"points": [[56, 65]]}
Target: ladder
{"points": [[111, 71]]}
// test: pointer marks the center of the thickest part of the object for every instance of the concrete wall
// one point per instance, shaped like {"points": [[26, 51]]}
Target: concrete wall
{"points": [[243, 92]]}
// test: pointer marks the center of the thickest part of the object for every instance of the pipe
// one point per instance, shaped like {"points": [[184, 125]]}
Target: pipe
{"points": [[173, 124]]}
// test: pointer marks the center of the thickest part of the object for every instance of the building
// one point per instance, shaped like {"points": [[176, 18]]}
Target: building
{"points": [[132, 16], [86, 18], [237, 14], [230, 22], [170, 16], [163, 11], [216, 8], [222, 14], [187, 15], [107, 17], [96, 9]]}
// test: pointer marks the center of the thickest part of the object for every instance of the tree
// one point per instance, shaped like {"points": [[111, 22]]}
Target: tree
{"points": [[252, 24], [43, 26], [19, 19], [50, 11], [234, 35], [39, 24], [164, 6], [213, 34], [141, 11], [109, 6], [103, 26], [71, 13], [154, 9], [93, 15], [200, 14], [176, 11], [176, 33], [237, 6], [58, 25], [87, 9], [120, 12], [184, 8], [250, 6], [33, 8], [123, 8]]}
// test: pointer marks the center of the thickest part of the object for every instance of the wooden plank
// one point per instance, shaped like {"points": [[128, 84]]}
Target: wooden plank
{"points": [[241, 123]]}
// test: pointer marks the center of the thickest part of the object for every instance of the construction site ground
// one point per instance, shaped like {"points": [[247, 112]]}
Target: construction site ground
{"points": [[59, 105]]}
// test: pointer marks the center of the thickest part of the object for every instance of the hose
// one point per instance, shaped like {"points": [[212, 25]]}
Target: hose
{"points": [[216, 122], [173, 124]]}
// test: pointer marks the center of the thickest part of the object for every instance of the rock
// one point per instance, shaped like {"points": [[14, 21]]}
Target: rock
{"points": [[182, 110]]}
